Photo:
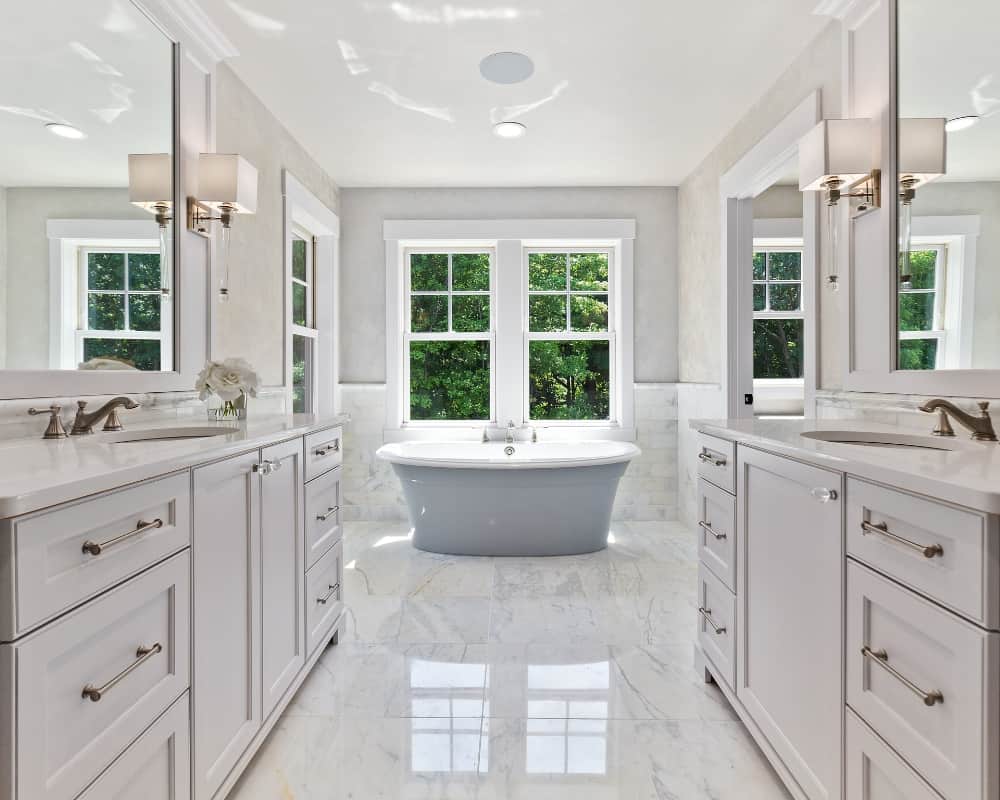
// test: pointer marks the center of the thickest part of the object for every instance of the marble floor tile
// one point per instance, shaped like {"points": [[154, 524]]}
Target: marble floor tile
{"points": [[445, 619]]}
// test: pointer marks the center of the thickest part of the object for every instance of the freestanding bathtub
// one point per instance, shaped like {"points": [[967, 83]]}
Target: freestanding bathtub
{"points": [[523, 499]]}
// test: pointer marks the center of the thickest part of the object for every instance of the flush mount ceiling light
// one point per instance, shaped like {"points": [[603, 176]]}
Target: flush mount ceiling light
{"points": [[506, 67], [961, 123], [509, 130], [66, 131]]}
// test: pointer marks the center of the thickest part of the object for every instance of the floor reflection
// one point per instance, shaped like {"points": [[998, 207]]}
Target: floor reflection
{"points": [[446, 703]]}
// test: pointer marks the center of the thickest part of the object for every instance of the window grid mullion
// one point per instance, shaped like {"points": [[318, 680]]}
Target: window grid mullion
{"points": [[568, 284]]}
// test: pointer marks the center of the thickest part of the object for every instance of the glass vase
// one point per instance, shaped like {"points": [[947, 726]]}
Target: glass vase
{"points": [[228, 410]]}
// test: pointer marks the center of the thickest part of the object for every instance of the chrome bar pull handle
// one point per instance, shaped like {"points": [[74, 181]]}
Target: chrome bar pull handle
{"points": [[329, 513], [707, 527], [882, 529], [334, 588], [143, 654], [710, 458], [707, 614], [881, 658], [96, 548]]}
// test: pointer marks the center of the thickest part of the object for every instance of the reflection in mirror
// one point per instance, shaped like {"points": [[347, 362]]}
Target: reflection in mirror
{"points": [[85, 270], [949, 222]]}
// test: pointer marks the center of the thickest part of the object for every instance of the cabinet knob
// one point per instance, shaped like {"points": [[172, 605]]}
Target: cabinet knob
{"points": [[825, 495]]}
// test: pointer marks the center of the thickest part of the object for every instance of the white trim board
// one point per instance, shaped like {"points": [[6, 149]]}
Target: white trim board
{"points": [[576, 230]]}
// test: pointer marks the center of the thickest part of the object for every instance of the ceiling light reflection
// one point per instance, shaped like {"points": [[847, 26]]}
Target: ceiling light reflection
{"points": [[65, 131], [393, 539], [451, 15], [513, 112], [409, 104], [268, 26], [351, 58]]}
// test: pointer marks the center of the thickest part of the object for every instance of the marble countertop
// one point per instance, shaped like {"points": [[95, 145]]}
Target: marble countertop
{"points": [[37, 473], [969, 475]]}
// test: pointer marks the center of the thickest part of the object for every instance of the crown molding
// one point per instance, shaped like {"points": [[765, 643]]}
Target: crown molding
{"points": [[186, 22]]}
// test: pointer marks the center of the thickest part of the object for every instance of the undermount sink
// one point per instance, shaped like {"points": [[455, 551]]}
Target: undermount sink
{"points": [[167, 434], [889, 440]]}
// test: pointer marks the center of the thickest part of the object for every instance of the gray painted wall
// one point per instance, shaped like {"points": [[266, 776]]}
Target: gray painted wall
{"points": [[363, 260], [778, 202]]}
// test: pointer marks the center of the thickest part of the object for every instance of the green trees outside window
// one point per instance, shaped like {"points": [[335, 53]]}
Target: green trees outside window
{"points": [[918, 311], [778, 318]]}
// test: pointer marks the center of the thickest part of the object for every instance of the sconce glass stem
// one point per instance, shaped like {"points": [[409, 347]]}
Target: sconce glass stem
{"points": [[905, 244], [224, 272], [165, 271], [833, 228]]}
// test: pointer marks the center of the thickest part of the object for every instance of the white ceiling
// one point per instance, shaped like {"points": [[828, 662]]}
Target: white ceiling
{"points": [[634, 92]]}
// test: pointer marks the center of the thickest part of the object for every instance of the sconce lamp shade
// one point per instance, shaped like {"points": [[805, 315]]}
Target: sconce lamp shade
{"points": [[923, 149], [835, 148], [150, 180], [227, 179]]}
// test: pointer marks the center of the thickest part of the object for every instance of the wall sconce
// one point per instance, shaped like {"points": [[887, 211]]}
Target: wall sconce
{"points": [[227, 185], [151, 187], [835, 157], [923, 154]]}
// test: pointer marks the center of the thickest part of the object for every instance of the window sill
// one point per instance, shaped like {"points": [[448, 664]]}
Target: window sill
{"points": [[473, 433]]}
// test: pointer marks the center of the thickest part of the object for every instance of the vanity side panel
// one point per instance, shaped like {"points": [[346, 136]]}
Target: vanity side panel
{"points": [[8, 586]]}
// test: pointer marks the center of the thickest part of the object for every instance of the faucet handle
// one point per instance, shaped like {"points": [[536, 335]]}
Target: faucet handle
{"points": [[55, 429], [984, 406]]}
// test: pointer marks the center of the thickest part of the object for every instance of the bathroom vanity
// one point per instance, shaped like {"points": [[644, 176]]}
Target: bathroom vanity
{"points": [[161, 599], [849, 602]]}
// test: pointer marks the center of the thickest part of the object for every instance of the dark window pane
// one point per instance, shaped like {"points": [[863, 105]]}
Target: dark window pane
{"points": [[759, 266], [142, 354], [428, 272], [299, 259], [785, 266], [918, 353], [588, 272], [916, 311], [106, 271], [143, 312], [786, 297], [470, 272], [777, 348], [428, 313], [923, 269], [106, 312], [299, 303], [301, 374], [589, 312], [547, 312], [759, 297], [569, 380], [546, 271], [143, 272], [450, 380], [470, 313]]}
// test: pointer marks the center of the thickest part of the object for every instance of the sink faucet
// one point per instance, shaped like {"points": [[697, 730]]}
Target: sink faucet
{"points": [[509, 437], [84, 422], [981, 426]]}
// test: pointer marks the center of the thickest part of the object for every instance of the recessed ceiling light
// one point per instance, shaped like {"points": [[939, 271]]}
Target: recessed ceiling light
{"points": [[509, 130], [961, 123], [506, 67], [66, 131]]}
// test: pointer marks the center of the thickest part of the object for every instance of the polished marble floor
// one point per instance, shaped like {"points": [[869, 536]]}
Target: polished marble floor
{"points": [[527, 679]]}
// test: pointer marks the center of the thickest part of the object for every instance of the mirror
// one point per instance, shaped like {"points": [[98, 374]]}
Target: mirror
{"points": [[86, 274], [948, 283]]}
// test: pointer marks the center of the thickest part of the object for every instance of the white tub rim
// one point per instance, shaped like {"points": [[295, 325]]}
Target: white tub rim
{"points": [[493, 456]]}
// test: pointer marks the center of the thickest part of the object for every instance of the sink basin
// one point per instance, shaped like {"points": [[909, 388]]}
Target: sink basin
{"points": [[167, 434], [902, 441]]}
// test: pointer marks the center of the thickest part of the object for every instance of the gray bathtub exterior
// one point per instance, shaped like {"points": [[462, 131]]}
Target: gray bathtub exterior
{"points": [[510, 512]]}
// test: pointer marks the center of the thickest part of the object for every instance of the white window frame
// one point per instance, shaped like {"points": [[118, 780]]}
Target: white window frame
{"points": [[307, 331], [510, 239], [938, 332]]}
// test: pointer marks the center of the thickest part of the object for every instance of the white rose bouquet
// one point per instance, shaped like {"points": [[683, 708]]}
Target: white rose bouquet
{"points": [[232, 381]]}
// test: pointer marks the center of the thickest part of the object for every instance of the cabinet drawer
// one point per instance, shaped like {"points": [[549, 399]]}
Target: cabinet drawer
{"points": [[717, 461], [323, 596], [875, 772], [717, 532], [157, 766], [66, 733], [717, 624], [322, 515], [323, 452], [925, 681], [950, 554], [68, 554]]}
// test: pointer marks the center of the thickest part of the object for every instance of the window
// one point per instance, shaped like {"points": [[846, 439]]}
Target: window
{"points": [[921, 310], [778, 320], [303, 328], [449, 334], [120, 311], [569, 339]]}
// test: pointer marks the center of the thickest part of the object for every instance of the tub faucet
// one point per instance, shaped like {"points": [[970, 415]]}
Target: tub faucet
{"points": [[509, 437]]}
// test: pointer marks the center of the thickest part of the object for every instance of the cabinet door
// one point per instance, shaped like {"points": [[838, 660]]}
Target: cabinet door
{"points": [[789, 614], [282, 569], [227, 683]]}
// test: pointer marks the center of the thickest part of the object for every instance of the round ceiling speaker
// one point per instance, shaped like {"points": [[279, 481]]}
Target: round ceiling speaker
{"points": [[506, 68]]}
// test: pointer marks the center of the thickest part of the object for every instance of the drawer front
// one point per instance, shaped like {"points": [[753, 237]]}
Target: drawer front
{"points": [[925, 681], [717, 461], [322, 515], [157, 766], [88, 685], [717, 624], [71, 553], [324, 595], [875, 772], [948, 553], [323, 452], [717, 532]]}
